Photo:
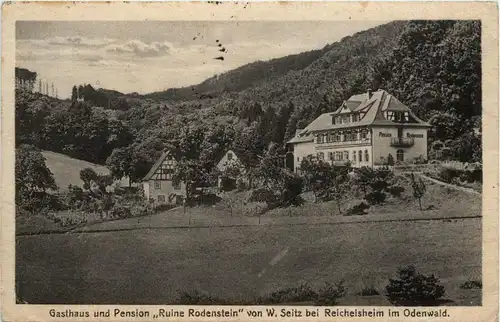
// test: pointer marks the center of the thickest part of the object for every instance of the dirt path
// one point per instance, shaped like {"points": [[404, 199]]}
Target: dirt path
{"points": [[448, 185]]}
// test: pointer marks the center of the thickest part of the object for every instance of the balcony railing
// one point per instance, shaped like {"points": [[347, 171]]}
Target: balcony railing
{"points": [[402, 142]]}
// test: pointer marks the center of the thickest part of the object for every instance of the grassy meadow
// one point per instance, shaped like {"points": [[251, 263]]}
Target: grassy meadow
{"points": [[152, 266]]}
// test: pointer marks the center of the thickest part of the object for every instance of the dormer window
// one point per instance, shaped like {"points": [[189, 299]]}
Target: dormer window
{"points": [[229, 156]]}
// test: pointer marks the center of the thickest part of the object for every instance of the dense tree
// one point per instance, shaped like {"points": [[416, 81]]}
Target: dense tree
{"points": [[120, 163], [88, 175], [32, 174]]}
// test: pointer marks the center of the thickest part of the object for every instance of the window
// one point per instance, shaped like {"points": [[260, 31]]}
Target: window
{"points": [[161, 198], [177, 186], [366, 156], [346, 155], [298, 159], [229, 156], [364, 134], [350, 136], [330, 155], [360, 156], [321, 156], [157, 185], [354, 156], [321, 138], [338, 156], [400, 155], [336, 137]]}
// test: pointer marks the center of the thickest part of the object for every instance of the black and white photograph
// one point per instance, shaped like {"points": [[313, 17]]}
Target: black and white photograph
{"points": [[245, 162]]}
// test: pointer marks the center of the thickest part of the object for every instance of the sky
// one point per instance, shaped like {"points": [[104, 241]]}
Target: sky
{"points": [[148, 56]]}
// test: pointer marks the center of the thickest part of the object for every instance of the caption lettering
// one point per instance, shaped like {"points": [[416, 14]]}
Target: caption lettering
{"points": [[167, 313]]}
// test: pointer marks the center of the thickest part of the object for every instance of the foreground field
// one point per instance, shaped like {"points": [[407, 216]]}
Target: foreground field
{"points": [[151, 266]]}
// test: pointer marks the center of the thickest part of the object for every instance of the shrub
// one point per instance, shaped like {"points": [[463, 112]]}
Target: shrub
{"points": [[474, 284], [164, 207], [293, 186], [414, 289], [198, 298], [358, 209], [396, 190], [121, 212], [262, 195], [390, 159], [302, 293], [375, 197], [369, 291], [330, 294]]}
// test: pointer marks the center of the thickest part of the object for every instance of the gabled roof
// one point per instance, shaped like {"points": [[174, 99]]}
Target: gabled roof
{"points": [[157, 164], [371, 109]]}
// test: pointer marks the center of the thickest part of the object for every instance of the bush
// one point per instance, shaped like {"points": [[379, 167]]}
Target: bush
{"points": [[164, 207], [474, 284], [375, 197], [302, 293], [466, 172], [330, 293], [121, 212], [369, 291], [262, 195], [390, 159], [198, 298], [396, 190], [358, 209], [414, 289]]}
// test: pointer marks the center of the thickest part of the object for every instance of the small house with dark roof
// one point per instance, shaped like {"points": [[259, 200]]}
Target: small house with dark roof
{"points": [[158, 184], [368, 129]]}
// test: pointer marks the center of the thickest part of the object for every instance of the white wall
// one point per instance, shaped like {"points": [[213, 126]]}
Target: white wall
{"points": [[145, 186], [302, 150], [350, 149], [166, 189], [382, 143]]}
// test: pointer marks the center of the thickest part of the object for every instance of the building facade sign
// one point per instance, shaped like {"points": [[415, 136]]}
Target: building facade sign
{"points": [[412, 135], [385, 135]]}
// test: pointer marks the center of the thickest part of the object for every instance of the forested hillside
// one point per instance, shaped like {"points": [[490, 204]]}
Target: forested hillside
{"points": [[432, 66], [242, 77]]}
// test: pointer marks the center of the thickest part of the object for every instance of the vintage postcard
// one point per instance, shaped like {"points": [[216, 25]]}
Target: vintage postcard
{"points": [[248, 161]]}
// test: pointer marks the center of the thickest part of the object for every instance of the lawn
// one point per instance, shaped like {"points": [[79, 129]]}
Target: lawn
{"points": [[66, 170], [150, 266]]}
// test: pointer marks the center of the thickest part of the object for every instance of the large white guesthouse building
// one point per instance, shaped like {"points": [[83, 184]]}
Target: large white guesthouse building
{"points": [[365, 130]]}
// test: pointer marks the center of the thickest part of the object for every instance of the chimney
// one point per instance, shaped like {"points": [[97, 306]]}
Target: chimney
{"points": [[369, 93]]}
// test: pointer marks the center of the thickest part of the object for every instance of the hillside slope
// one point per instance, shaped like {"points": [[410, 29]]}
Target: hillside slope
{"points": [[66, 170], [242, 77]]}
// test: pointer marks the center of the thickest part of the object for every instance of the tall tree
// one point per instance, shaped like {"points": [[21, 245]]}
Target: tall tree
{"points": [[74, 94]]}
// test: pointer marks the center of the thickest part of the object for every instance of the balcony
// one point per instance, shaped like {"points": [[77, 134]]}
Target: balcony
{"points": [[402, 142]]}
